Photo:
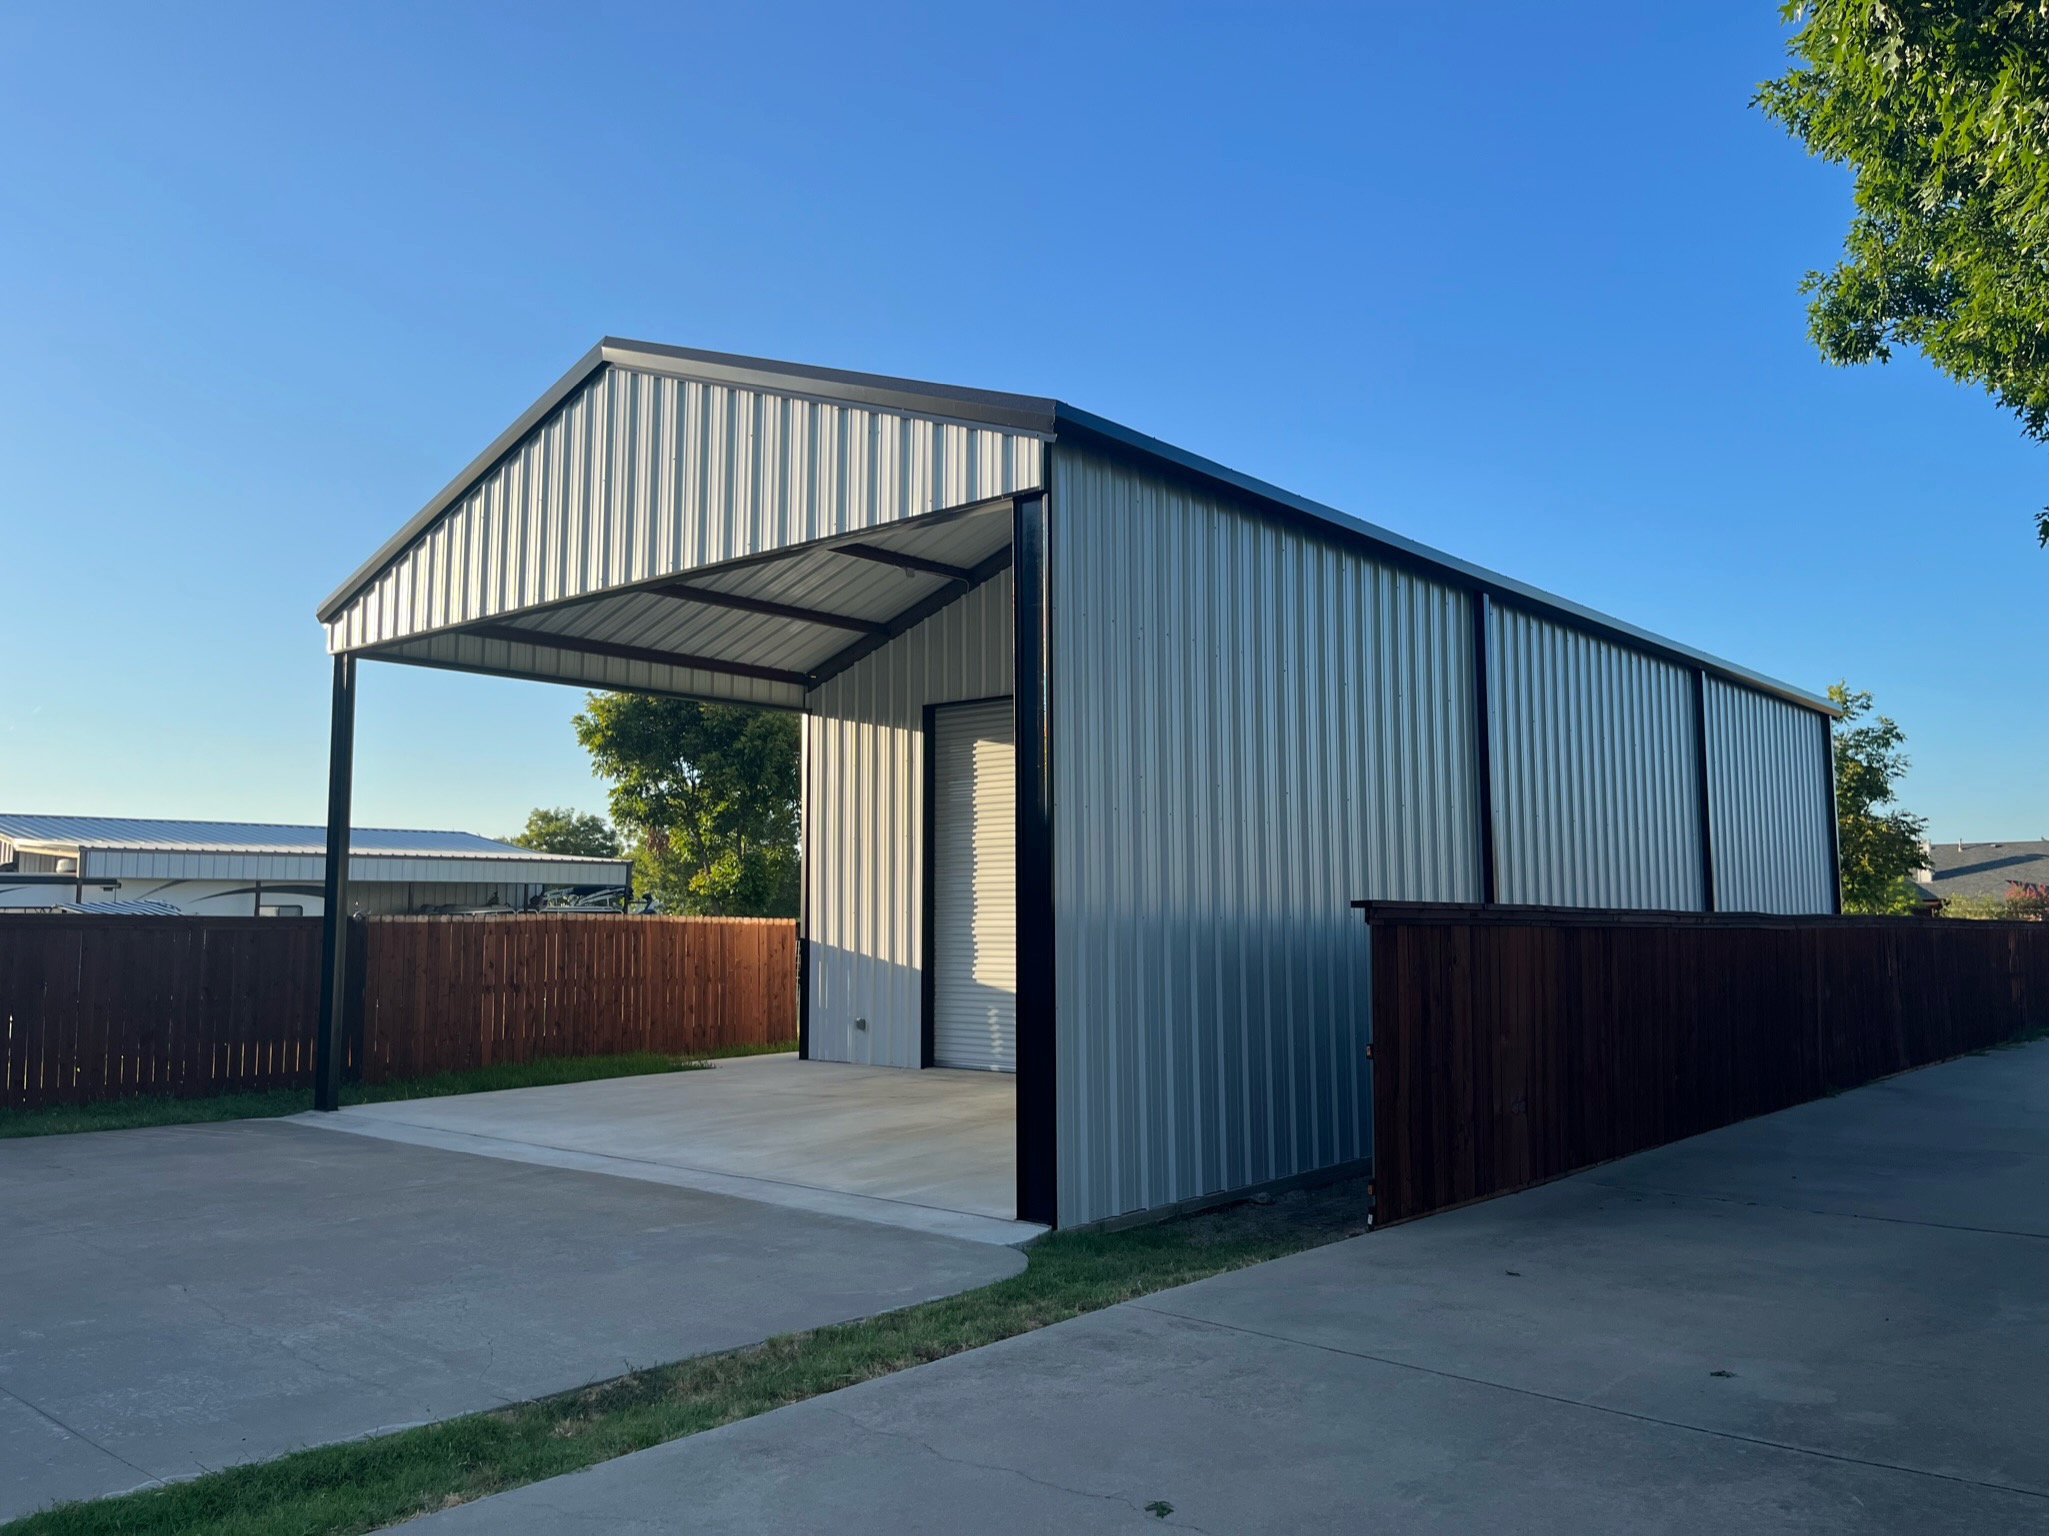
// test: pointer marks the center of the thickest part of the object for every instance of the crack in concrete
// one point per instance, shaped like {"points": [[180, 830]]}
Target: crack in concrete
{"points": [[152, 1480], [989, 1466], [276, 1341], [1573, 1402]]}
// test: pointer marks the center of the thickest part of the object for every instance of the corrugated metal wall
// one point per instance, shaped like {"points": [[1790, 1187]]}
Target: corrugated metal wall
{"points": [[1769, 804], [637, 476], [1250, 728], [1595, 782], [864, 785]]}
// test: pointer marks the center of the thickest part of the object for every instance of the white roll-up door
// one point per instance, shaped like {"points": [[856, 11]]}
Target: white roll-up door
{"points": [[974, 888]]}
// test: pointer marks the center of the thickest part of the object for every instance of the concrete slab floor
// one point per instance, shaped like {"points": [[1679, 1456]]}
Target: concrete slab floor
{"points": [[1782, 1326], [933, 1150], [182, 1298]]}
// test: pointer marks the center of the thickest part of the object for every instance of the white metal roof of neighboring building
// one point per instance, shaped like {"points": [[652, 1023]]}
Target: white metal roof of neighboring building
{"points": [[144, 847], [815, 512]]}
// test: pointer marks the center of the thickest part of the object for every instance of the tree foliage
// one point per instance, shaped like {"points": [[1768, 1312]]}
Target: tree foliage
{"points": [[562, 830], [710, 793], [1879, 848], [1941, 107]]}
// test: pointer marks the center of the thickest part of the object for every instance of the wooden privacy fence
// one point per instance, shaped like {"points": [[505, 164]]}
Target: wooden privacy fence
{"points": [[103, 1007], [1511, 1045], [448, 993]]}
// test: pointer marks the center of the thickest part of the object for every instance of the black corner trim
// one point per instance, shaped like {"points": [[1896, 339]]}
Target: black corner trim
{"points": [[1038, 1186], [928, 828], [1835, 824], [1700, 768], [1483, 750]]}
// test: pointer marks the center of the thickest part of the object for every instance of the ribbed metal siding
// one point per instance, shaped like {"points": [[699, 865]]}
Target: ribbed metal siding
{"points": [[864, 785], [1596, 784], [1768, 802], [1251, 728], [636, 476]]}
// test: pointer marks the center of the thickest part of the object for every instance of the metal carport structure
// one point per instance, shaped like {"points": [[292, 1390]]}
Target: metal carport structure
{"points": [[1234, 711]]}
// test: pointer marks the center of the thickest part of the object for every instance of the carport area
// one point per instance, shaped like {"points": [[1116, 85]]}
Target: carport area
{"points": [[930, 1151], [861, 552], [189, 1297]]}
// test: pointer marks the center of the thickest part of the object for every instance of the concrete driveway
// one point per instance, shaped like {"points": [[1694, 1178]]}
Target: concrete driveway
{"points": [[179, 1299], [1829, 1320], [935, 1151]]}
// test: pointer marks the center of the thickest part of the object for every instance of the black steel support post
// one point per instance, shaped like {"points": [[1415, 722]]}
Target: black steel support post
{"points": [[334, 895], [1706, 798], [1037, 1084], [804, 869], [1483, 749]]}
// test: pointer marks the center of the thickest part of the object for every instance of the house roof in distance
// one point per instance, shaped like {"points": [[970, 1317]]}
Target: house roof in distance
{"points": [[1983, 869]]}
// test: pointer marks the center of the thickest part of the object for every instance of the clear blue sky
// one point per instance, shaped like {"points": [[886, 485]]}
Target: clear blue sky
{"points": [[1519, 281]]}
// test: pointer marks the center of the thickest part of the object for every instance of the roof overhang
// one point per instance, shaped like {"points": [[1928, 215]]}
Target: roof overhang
{"points": [[797, 593]]}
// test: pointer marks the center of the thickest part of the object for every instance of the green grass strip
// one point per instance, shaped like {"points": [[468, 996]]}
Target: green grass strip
{"points": [[363, 1485], [144, 1109]]}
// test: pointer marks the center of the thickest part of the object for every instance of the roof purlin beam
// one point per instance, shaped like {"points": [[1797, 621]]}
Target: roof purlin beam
{"points": [[912, 616], [514, 635], [683, 591], [953, 573]]}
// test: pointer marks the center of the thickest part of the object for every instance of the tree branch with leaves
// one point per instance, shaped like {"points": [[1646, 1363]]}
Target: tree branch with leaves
{"points": [[1878, 848], [710, 793], [1941, 109]]}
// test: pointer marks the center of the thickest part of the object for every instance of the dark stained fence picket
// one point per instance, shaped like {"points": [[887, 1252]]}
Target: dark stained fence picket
{"points": [[99, 1007], [1512, 1045], [105, 1007]]}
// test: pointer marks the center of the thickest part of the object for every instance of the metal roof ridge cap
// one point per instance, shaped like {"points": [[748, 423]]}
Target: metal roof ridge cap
{"points": [[998, 408], [1475, 575]]}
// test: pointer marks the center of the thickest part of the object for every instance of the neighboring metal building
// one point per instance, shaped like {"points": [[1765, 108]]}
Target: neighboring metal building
{"points": [[1232, 711], [232, 868]]}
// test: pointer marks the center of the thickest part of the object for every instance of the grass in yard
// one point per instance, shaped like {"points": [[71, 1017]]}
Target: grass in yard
{"points": [[127, 1114], [365, 1484]]}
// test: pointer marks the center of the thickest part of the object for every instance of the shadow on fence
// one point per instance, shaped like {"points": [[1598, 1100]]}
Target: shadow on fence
{"points": [[97, 1007], [1511, 1045]]}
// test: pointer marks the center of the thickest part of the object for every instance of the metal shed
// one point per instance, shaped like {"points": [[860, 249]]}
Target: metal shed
{"points": [[1230, 712], [237, 868]]}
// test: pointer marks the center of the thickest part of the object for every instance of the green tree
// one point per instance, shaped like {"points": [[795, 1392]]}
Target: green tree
{"points": [[562, 830], [710, 792], [1879, 848], [1941, 108]]}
